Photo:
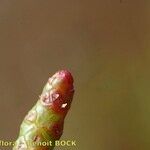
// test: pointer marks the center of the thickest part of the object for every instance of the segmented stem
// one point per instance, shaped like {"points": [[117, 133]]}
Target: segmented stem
{"points": [[44, 122]]}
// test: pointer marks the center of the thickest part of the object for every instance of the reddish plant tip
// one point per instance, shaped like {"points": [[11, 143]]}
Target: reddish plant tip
{"points": [[65, 75], [62, 81], [58, 92]]}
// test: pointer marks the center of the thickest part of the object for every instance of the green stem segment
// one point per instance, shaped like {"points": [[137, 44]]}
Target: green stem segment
{"points": [[43, 124]]}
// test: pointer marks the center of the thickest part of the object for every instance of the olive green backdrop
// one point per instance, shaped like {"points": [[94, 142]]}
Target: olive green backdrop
{"points": [[106, 46]]}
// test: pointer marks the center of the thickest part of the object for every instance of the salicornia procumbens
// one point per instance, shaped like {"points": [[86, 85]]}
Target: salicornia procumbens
{"points": [[43, 124]]}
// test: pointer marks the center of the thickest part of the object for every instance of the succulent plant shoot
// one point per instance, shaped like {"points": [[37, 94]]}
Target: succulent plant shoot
{"points": [[44, 122]]}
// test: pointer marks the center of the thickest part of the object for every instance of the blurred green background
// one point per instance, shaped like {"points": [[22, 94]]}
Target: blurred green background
{"points": [[106, 46]]}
